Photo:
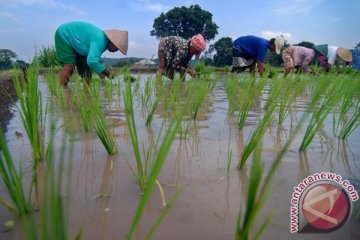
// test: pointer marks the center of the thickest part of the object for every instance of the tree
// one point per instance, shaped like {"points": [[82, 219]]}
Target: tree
{"points": [[357, 45], [224, 49], [185, 22], [6, 57]]}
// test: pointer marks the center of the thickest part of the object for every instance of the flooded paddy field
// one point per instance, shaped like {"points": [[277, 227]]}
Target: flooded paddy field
{"points": [[102, 192]]}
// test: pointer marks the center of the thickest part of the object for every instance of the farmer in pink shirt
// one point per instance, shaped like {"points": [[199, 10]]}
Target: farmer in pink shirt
{"points": [[297, 57]]}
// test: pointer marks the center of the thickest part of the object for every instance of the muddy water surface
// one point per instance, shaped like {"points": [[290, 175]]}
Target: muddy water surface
{"points": [[104, 193]]}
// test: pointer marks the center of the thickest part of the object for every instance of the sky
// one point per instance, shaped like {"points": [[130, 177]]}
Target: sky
{"points": [[27, 25]]}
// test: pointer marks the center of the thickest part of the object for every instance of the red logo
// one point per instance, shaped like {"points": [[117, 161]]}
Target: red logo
{"points": [[325, 207]]}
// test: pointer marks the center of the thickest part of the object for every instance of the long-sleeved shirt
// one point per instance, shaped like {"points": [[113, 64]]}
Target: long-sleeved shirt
{"points": [[252, 46], [87, 40], [177, 54], [302, 56]]}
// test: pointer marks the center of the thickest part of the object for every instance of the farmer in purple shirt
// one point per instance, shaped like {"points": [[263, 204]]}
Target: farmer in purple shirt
{"points": [[299, 58], [251, 50], [81, 44]]}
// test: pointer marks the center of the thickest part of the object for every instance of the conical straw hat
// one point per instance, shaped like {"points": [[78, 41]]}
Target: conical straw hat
{"points": [[119, 38], [344, 54]]}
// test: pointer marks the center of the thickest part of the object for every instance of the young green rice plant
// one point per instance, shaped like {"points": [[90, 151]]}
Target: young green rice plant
{"points": [[289, 93], [250, 90], [231, 87], [349, 107], [149, 100], [54, 207], [354, 121], [332, 93], [31, 111], [258, 193], [130, 120], [12, 178], [100, 124], [257, 135], [159, 161], [198, 90], [56, 89]]}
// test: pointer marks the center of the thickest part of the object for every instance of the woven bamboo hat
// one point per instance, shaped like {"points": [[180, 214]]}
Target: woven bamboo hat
{"points": [[119, 38], [344, 54]]}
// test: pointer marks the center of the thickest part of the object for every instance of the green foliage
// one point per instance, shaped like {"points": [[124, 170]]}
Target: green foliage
{"points": [[13, 181], [224, 49], [47, 57], [31, 111], [6, 58], [185, 22]]}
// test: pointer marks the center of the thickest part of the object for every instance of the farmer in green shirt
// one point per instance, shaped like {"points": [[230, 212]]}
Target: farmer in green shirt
{"points": [[81, 44]]}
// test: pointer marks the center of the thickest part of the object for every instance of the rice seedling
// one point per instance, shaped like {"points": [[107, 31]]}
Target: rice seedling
{"points": [[198, 89], [250, 90], [31, 112], [349, 108], [332, 93], [149, 101], [352, 123], [100, 124], [231, 87], [130, 120], [258, 193], [287, 97], [254, 203], [56, 89], [53, 210], [257, 135], [159, 161], [12, 178]]}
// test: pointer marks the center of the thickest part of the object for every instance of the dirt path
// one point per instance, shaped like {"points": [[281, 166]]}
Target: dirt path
{"points": [[7, 98]]}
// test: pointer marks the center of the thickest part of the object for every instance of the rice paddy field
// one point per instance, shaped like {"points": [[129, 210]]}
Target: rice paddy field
{"points": [[215, 157]]}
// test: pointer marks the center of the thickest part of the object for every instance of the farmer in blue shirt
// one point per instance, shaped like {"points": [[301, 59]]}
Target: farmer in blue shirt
{"points": [[251, 50], [81, 44]]}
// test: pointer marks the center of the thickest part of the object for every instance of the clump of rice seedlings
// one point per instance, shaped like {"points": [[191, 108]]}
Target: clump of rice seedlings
{"points": [[55, 88], [349, 108], [258, 193], [254, 203], [13, 181], [198, 90], [231, 87], [332, 93], [149, 101], [287, 97], [352, 123], [202, 70], [257, 135], [130, 120], [31, 112], [159, 160], [101, 126], [53, 209], [250, 90]]}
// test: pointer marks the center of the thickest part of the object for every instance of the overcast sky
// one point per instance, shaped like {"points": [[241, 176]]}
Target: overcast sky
{"points": [[27, 24]]}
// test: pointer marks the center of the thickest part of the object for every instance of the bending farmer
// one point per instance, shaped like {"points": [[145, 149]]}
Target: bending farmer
{"points": [[175, 53], [250, 50], [81, 44]]}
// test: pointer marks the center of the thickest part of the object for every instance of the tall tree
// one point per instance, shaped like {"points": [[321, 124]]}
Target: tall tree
{"points": [[223, 55], [6, 58], [185, 22], [357, 45]]}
